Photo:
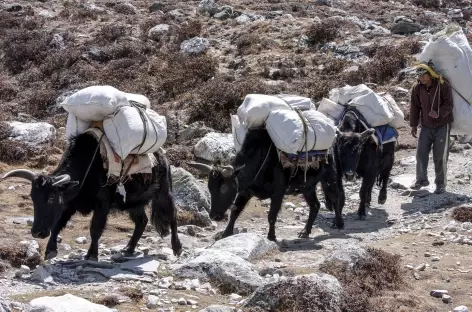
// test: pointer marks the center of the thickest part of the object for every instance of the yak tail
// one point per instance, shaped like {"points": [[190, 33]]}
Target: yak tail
{"points": [[163, 210]]}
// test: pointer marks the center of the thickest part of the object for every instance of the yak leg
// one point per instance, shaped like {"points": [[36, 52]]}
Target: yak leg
{"points": [[239, 204], [97, 226], [335, 197], [275, 205], [388, 158], [314, 204], [138, 216], [365, 194], [51, 248]]}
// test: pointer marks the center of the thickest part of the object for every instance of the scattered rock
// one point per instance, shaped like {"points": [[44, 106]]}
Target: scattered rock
{"points": [[32, 133], [191, 195], [194, 46], [405, 27], [217, 308], [156, 6], [226, 269], [446, 298], [66, 303], [195, 130], [158, 31], [141, 266], [182, 301], [349, 254], [207, 7], [57, 41], [460, 309], [438, 293], [125, 8], [152, 302], [81, 240], [42, 275], [247, 245], [216, 147]]}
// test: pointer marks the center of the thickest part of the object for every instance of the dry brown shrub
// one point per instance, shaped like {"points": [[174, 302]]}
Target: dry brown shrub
{"points": [[39, 100], [462, 214], [179, 154], [188, 218], [188, 30], [16, 255], [7, 90], [334, 65], [380, 271], [107, 300], [326, 31], [133, 293], [23, 48], [220, 97], [4, 266], [248, 44], [112, 32]]}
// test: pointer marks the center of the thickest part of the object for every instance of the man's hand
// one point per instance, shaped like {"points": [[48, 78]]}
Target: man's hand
{"points": [[414, 132]]}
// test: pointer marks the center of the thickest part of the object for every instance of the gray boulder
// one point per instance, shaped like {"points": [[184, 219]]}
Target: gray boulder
{"points": [[195, 46], [33, 134], [350, 254], [217, 308], [215, 147], [66, 303], [405, 27], [208, 7], [191, 195], [224, 268], [193, 131], [246, 245], [158, 31], [298, 290], [156, 6]]}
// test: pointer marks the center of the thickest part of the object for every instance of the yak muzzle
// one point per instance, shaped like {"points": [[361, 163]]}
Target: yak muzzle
{"points": [[39, 234]]}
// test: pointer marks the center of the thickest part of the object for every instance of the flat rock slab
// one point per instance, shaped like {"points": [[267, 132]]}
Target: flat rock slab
{"points": [[246, 245], [118, 274], [66, 303], [141, 266], [218, 308]]}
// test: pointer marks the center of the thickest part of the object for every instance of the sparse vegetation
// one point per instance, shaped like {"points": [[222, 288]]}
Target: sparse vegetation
{"points": [[16, 256], [323, 32], [462, 214], [133, 293]]}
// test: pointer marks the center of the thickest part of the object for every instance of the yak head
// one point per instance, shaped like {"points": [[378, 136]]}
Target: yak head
{"points": [[349, 147], [47, 195], [223, 187]]}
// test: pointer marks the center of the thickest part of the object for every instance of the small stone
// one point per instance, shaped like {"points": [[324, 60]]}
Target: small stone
{"points": [[446, 298], [460, 309], [427, 254], [192, 303], [234, 298], [438, 293], [421, 267], [409, 267], [42, 275], [81, 240], [152, 302], [435, 259], [416, 276], [182, 301], [438, 243], [156, 6]]}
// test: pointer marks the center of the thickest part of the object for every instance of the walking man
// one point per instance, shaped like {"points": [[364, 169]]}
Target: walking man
{"points": [[431, 102]]}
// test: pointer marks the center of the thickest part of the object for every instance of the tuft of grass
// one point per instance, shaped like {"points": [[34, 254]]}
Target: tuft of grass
{"points": [[133, 293], [462, 214], [16, 256], [323, 32], [107, 300]]}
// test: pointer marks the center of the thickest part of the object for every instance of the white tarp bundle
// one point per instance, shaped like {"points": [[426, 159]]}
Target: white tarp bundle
{"points": [[375, 109], [398, 120], [130, 124], [451, 55], [286, 129], [239, 132], [255, 109], [132, 130], [331, 109]]}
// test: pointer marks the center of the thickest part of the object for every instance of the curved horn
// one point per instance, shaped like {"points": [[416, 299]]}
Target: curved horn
{"points": [[61, 180], [227, 170], [367, 133], [21, 173], [201, 167]]}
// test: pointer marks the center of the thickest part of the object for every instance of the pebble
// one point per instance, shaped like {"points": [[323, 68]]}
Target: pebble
{"points": [[446, 298], [182, 301], [435, 258], [460, 309], [81, 240], [427, 254], [192, 303], [421, 267], [438, 293], [152, 302]]}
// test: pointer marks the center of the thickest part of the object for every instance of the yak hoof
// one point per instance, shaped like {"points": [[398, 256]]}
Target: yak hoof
{"points": [[91, 258], [304, 234], [382, 200], [338, 225], [127, 252], [272, 238], [50, 255]]}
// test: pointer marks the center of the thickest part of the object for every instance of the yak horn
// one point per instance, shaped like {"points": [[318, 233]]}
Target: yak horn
{"points": [[227, 171], [21, 173], [201, 167], [61, 180]]}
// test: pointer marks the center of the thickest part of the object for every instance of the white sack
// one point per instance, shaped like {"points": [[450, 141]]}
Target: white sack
{"points": [[398, 120], [239, 132], [285, 128], [296, 101], [139, 98], [331, 109], [373, 107], [95, 103], [75, 126], [125, 131], [452, 57], [255, 109]]}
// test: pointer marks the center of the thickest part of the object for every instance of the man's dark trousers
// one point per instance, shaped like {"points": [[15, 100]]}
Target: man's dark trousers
{"points": [[438, 140]]}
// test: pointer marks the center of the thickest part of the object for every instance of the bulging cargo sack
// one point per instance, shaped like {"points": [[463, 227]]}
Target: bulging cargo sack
{"points": [[451, 55], [255, 109], [139, 99], [331, 109], [286, 129], [131, 130], [398, 120], [95, 103], [75, 126], [373, 107], [297, 102], [239, 132]]}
